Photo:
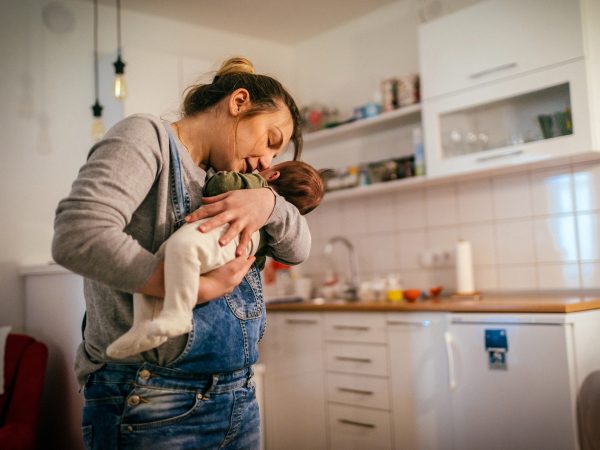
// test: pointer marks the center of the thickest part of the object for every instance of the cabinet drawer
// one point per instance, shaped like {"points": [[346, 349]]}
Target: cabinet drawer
{"points": [[357, 358], [354, 327], [497, 39], [358, 428], [358, 390]]}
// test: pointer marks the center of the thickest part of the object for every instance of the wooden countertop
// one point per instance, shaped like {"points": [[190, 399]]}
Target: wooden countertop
{"points": [[496, 304]]}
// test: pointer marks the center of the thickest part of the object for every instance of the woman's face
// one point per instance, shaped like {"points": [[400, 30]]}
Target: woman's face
{"points": [[255, 141]]}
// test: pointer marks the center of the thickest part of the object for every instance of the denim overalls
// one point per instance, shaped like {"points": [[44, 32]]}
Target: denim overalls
{"points": [[205, 398]]}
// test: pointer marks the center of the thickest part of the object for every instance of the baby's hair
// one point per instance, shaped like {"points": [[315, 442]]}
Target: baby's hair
{"points": [[300, 184]]}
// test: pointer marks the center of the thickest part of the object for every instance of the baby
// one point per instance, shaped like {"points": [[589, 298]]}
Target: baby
{"points": [[189, 253]]}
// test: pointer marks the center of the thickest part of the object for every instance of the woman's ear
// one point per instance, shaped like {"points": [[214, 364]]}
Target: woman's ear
{"points": [[239, 101]]}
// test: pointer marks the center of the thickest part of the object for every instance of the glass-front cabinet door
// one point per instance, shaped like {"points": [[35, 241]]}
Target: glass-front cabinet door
{"points": [[531, 117]]}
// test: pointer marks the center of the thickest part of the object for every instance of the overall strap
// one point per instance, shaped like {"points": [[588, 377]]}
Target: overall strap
{"points": [[179, 195]]}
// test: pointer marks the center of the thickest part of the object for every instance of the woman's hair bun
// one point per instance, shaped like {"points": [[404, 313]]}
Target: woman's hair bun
{"points": [[235, 65]]}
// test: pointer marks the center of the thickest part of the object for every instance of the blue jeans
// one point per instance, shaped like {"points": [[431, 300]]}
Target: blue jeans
{"points": [[150, 407], [204, 399]]}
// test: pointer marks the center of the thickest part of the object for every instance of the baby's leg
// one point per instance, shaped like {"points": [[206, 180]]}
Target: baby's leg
{"points": [[188, 253], [138, 339]]}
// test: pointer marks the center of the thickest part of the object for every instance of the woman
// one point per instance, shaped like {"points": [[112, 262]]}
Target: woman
{"points": [[133, 192]]}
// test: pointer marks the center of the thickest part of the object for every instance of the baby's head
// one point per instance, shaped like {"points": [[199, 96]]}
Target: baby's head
{"points": [[299, 183]]}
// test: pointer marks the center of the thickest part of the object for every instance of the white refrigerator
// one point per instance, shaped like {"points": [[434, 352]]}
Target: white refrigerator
{"points": [[514, 378]]}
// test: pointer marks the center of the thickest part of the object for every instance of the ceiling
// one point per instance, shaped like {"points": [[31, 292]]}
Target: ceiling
{"points": [[284, 21]]}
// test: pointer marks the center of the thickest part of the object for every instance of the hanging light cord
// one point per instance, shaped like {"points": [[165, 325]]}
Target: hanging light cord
{"points": [[119, 27], [96, 48]]}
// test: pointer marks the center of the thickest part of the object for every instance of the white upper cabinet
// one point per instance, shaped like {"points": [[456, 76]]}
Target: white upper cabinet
{"points": [[510, 82], [497, 39], [531, 118]]}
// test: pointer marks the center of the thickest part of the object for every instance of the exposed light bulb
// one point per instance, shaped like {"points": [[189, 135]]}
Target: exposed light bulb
{"points": [[97, 128], [97, 124], [120, 86]]}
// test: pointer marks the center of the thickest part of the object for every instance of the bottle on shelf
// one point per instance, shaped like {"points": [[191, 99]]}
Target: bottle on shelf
{"points": [[419, 152]]}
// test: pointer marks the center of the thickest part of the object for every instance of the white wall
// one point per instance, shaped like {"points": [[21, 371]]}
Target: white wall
{"points": [[47, 90], [343, 67]]}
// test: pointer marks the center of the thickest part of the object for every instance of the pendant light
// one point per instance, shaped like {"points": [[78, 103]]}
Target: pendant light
{"points": [[97, 125], [120, 86]]}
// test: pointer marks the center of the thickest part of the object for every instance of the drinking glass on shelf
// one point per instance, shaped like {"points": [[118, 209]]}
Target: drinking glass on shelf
{"points": [[456, 140], [545, 121], [563, 122], [483, 140], [471, 139]]}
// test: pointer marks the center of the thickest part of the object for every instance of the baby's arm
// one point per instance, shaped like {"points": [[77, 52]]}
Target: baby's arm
{"points": [[222, 182]]}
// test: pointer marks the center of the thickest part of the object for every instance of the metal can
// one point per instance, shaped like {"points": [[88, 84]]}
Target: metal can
{"points": [[389, 94]]}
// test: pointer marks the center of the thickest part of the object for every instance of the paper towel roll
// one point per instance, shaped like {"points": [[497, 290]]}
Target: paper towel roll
{"points": [[464, 268]]}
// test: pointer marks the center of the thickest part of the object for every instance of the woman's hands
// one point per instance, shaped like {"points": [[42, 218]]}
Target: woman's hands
{"points": [[245, 211], [224, 279]]}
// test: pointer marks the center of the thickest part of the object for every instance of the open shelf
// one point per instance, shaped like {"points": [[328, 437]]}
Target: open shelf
{"points": [[377, 188], [359, 127], [426, 181]]}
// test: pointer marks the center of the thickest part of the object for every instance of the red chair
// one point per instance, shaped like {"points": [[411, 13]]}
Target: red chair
{"points": [[24, 367]]}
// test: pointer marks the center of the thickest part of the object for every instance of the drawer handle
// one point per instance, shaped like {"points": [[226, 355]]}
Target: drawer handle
{"points": [[491, 70], [351, 327], [356, 424], [350, 358], [354, 391], [499, 155], [301, 321], [422, 323]]}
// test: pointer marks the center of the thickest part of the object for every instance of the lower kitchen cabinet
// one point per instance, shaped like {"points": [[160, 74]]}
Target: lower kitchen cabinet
{"points": [[419, 381], [357, 371], [294, 385], [431, 380], [358, 428]]}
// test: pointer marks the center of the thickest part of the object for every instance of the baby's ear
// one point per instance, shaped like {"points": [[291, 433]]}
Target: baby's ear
{"points": [[273, 175]]}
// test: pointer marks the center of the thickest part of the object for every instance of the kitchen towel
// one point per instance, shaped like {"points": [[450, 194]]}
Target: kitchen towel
{"points": [[465, 284]]}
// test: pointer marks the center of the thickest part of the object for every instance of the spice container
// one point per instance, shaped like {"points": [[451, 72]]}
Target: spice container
{"points": [[389, 94], [394, 289]]}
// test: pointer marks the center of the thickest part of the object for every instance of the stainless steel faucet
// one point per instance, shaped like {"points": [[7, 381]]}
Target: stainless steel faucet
{"points": [[351, 289]]}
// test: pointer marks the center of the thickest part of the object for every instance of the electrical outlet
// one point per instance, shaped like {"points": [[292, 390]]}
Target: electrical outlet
{"points": [[436, 258]]}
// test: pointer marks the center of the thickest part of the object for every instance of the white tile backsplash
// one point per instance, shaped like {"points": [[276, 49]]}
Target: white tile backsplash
{"points": [[475, 201], [411, 210], [590, 275], [588, 231], [383, 212], [514, 242], [558, 276], [442, 239], [416, 279], [555, 239], [411, 244], [512, 196], [441, 206], [353, 215], [552, 191], [536, 230], [379, 253], [586, 179], [486, 278], [517, 278]]}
